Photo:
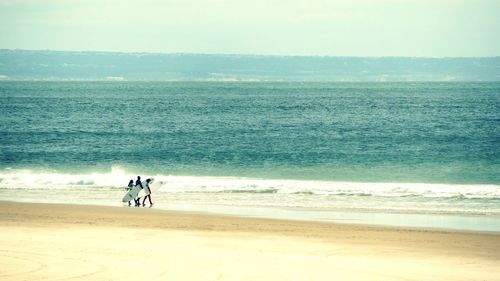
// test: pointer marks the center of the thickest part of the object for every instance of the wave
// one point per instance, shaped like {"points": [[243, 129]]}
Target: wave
{"points": [[270, 190], [118, 178]]}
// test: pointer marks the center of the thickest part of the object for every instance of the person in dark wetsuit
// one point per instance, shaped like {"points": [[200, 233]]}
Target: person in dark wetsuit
{"points": [[138, 199]]}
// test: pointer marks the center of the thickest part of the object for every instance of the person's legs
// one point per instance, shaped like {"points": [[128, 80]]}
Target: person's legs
{"points": [[147, 197]]}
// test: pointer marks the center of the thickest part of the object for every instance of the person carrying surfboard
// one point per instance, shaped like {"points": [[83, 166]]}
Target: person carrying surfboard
{"points": [[147, 191], [138, 183], [133, 192], [129, 188]]}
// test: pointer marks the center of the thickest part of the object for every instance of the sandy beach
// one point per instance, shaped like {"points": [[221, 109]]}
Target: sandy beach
{"points": [[74, 242]]}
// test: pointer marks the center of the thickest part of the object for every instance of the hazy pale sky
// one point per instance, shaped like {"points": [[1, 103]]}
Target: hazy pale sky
{"points": [[435, 28]]}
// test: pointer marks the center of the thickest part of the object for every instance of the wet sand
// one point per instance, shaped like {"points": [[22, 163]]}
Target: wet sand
{"points": [[75, 242]]}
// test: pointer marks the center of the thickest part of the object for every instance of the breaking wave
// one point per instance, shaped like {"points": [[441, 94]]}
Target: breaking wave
{"points": [[117, 178]]}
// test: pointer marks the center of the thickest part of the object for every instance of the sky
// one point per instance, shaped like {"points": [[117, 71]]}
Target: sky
{"points": [[420, 28]]}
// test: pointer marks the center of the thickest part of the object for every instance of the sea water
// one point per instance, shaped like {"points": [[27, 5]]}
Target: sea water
{"points": [[369, 152]]}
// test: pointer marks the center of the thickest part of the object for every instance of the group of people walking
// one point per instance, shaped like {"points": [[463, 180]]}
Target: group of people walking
{"points": [[138, 186]]}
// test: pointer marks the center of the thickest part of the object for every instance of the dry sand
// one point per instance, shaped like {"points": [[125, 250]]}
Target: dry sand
{"points": [[70, 242]]}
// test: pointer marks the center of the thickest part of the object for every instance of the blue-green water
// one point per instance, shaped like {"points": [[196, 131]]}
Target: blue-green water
{"points": [[382, 132], [373, 141]]}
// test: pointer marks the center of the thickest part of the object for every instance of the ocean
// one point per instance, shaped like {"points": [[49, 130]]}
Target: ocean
{"points": [[413, 154]]}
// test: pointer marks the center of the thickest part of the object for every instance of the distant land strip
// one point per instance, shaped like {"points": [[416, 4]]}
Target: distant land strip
{"points": [[32, 65]]}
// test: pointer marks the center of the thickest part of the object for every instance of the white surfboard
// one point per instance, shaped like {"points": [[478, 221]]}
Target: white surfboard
{"points": [[132, 194]]}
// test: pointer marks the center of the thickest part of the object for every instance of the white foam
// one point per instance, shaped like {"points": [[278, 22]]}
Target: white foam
{"points": [[51, 180], [118, 178]]}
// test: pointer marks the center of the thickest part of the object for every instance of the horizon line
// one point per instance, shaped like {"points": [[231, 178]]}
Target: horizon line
{"points": [[244, 54]]}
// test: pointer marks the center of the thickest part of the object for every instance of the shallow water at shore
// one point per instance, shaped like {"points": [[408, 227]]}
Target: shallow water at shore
{"points": [[235, 205]]}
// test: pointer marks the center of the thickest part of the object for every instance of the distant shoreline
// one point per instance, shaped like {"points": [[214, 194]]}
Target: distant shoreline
{"points": [[114, 66], [234, 54]]}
